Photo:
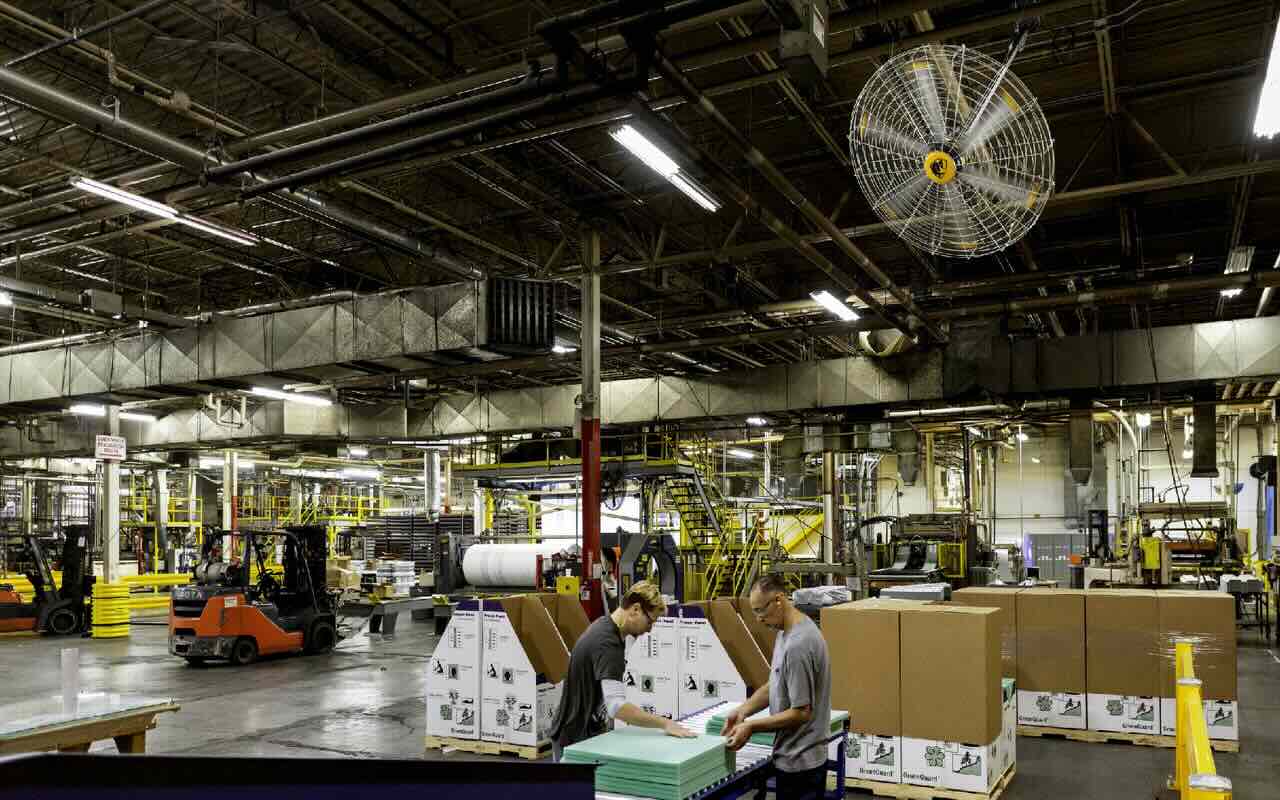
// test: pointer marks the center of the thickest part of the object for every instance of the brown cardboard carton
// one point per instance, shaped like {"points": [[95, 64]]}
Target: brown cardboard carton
{"points": [[1051, 655], [737, 640], [763, 634], [1121, 653], [950, 673], [1004, 601], [542, 641], [1208, 618], [567, 613], [862, 645]]}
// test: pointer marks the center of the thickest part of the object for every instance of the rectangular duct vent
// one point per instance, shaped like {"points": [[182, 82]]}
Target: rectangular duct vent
{"points": [[520, 314]]}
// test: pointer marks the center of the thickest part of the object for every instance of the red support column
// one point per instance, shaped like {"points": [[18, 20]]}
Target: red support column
{"points": [[593, 600], [589, 415]]}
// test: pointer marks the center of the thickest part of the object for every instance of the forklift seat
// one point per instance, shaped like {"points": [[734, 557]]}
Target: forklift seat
{"points": [[270, 610]]}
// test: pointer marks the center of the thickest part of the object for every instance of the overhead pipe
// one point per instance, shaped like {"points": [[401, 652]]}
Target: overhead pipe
{"points": [[79, 34], [527, 87], [789, 190], [559, 99], [46, 99]]}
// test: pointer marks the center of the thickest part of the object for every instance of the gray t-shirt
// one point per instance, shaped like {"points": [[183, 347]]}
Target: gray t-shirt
{"points": [[598, 656], [801, 676]]}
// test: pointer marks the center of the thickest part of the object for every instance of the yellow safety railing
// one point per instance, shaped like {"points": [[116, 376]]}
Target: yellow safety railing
{"points": [[1196, 777], [152, 591]]}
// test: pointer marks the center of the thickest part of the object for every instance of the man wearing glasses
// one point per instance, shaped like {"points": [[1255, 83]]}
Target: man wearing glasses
{"points": [[593, 693], [798, 696]]}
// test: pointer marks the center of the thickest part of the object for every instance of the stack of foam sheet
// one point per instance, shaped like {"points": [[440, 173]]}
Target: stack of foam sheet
{"points": [[644, 762], [715, 725]]}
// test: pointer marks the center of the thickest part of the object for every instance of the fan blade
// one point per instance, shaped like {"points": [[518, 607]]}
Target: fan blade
{"points": [[903, 95], [1003, 110], [1015, 192], [956, 103], [871, 131], [922, 71], [967, 229]]}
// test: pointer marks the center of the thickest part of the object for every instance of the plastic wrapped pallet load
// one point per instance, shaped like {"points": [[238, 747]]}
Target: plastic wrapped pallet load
{"points": [[511, 565]]}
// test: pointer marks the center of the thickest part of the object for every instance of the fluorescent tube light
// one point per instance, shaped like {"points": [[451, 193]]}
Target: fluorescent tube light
{"points": [[1035, 459], [1267, 122], [562, 349], [1143, 419], [6, 299], [88, 410], [217, 230], [134, 416], [1234, 291], [757, 421], [1238, 260], [738, 452], [694, 192], [357, 452], [293, 397], [645, 150], [121, 196], [1022, 437], [834, 304]]}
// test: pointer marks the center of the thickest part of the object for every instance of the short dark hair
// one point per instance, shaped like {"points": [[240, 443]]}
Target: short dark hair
{"points": [[769, 583]]}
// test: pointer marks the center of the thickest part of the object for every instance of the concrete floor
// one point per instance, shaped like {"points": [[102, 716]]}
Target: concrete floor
{"points": [[366, 699]]}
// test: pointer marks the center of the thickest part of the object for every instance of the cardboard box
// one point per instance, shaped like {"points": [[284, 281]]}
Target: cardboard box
{"points": [[524, 662], [950, 674], [1052, 709], [763, 634], [873, 758], [453, 676], [1123, 713], [651, 678], [863, 648], [568, 615], [1051, 642], [1121, 647], [1005, 601], [966, 768], [1222, 717], [738, 642], [707, 675], [1209, 619]]}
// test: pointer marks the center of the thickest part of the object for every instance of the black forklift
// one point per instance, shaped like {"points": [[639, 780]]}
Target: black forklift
{"points": [[51, 610]]}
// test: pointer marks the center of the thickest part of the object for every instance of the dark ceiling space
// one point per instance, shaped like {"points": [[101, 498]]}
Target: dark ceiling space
{"points": [[1158, 174]]}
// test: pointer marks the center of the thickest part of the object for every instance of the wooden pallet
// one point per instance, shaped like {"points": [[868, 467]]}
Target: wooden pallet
{"points": [[908, 791], [489, 748], [1140, 739]]}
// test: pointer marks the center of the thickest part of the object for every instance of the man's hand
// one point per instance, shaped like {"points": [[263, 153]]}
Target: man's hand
{"points": [[672, 728], [732, 721], [741, 734]]}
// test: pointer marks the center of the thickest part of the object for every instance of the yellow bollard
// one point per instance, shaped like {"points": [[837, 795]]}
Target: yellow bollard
{"points": [[1195, 774], [110, 610]]}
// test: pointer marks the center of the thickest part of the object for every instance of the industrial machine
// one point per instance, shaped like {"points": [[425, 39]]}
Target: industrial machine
{"points": [[230, 615], [53, 610], [485, 563], [927, 548], [653, 557]]}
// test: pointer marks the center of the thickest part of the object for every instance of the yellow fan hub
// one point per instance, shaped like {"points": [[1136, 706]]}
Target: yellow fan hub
{"points": [[939, 167]]}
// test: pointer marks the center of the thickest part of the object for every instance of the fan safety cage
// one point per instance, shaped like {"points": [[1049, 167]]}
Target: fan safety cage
{"points": [[942, 181]]}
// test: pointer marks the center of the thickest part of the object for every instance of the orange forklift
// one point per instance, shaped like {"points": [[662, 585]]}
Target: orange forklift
{"points": [[52, 610], [225, 617]]}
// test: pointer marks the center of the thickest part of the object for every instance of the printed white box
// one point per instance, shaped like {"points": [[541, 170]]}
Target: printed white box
{"points": [[1124, 713], [706, 673], [1222, 717], [1051, 709], [873, 758], [1008, 727], [924, 762], [453, 676], [518, 702], [651, 678]]}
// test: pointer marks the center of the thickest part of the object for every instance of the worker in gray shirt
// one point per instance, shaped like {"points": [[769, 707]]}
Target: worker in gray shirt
{"points": [[798, 696]]}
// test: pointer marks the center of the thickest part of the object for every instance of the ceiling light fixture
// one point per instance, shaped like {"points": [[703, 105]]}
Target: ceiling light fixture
{"points": [[293, 397], [834, 304], [1022, 437], [6, 299], [134, 416], [1267, 121], [360, 472], [757, 421], [1143, 419], [561, 349], [121, 196], [1035, 459], [738, 452], [356, 451], [657, 160], [1186, 454], [1234, 291], [239, 237], [88, 410]]}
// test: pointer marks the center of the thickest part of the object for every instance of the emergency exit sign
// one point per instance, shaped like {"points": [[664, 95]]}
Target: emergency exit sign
{"points": [[109, 448]]}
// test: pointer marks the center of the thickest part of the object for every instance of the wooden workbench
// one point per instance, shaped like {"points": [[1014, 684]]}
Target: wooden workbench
{"points": [[128, 726]]}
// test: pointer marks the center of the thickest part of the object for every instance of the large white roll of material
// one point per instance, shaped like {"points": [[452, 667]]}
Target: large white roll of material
{"points": [[505, 564]]}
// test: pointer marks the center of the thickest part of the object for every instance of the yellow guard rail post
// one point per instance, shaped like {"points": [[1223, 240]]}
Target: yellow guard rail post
{"points": [[1197, 778]]}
